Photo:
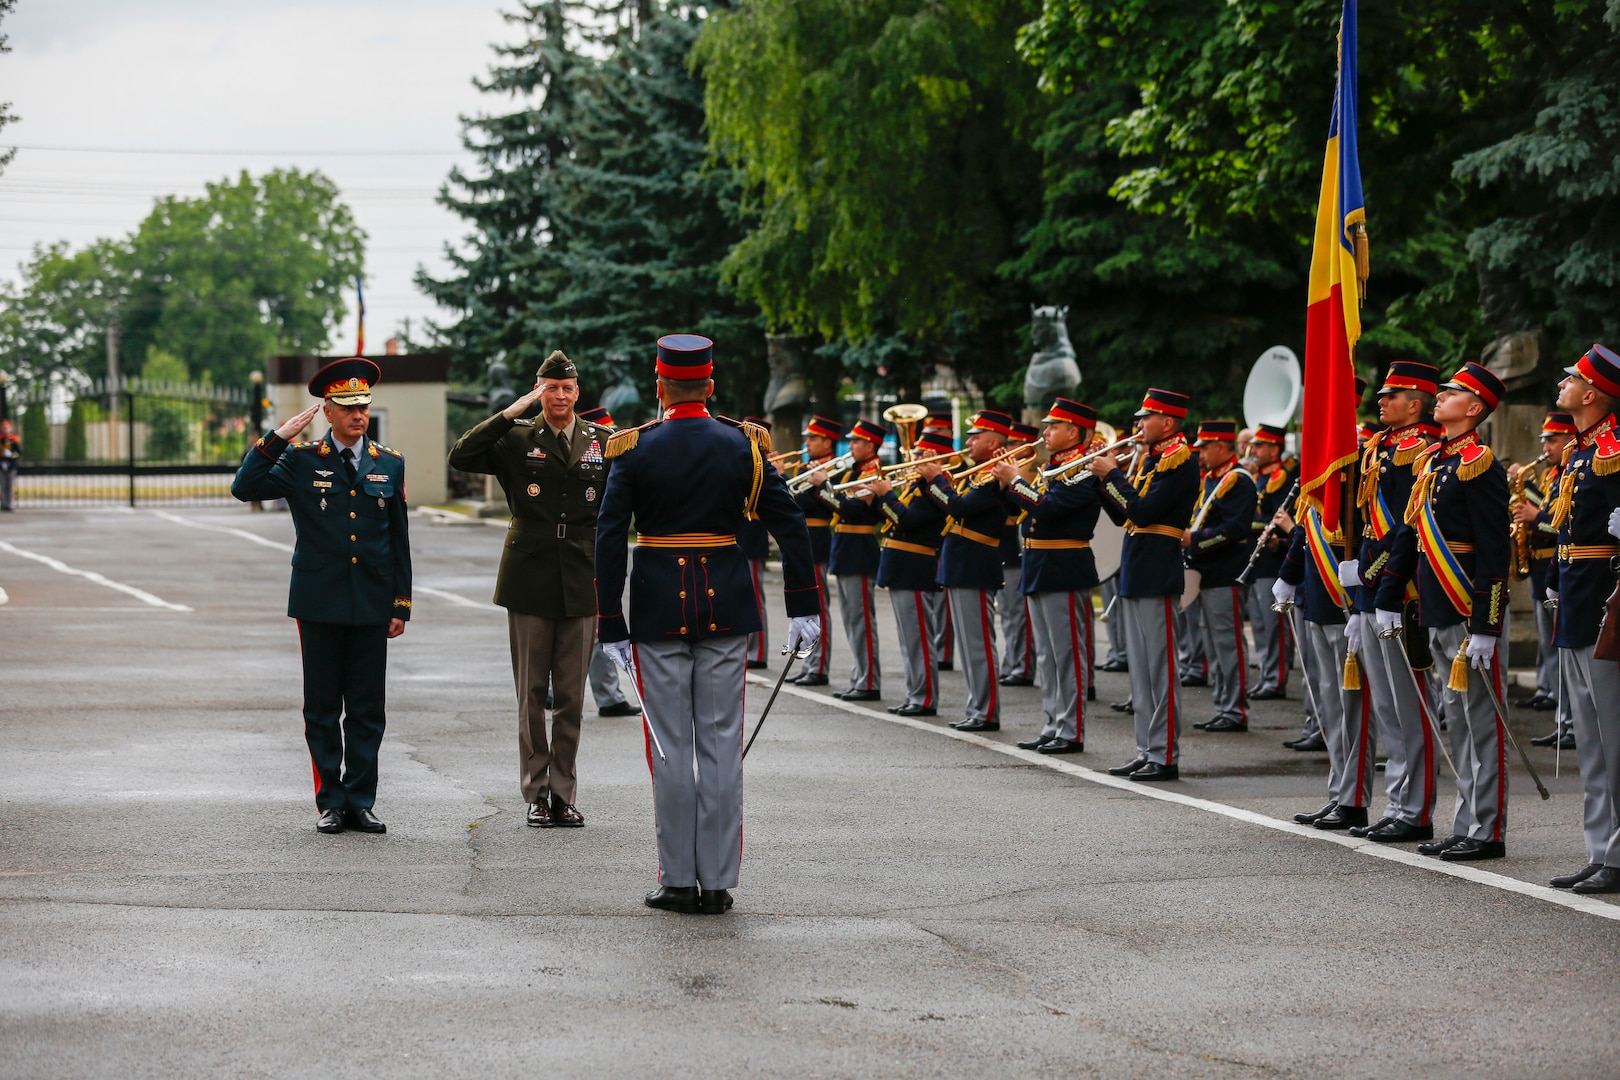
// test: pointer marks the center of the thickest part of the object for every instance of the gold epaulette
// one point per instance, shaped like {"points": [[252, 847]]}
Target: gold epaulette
{"points": [[621, 442], [1228, 482], [1475, 460], [1408, 449], [1606, 462], [1279, 477], [389, 450], [760, 436], [1175, 458]]}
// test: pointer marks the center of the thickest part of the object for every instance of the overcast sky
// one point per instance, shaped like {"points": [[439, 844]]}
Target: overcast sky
{"points": [[293, 81]]}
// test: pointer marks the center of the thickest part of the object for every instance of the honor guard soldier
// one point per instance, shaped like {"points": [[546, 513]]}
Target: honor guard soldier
{"points": [[854, 556], [1017, 640], [1268, 627], [688, 481], [942, 424], [909, 565], [1217, 547], [1587, 512], [553, 470], [351, 580], [1535, 540], [970, 563], [1402, 709], [1153, 504], [821, 437], [756, 547], [1059, 571], [603, 675], [1455, 544]]}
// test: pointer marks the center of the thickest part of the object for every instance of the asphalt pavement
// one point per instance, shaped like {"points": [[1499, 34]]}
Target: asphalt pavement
{"points": [[913, 902]]}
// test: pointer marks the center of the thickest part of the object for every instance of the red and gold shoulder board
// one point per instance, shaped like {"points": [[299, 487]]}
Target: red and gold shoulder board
{"points": [[1607, 459], [1407, 450], [1475, 458], [1276, 477]]}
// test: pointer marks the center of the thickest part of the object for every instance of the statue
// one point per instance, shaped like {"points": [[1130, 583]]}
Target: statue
{"points": [[787, 396], [500, 393], [1053, 371], [622, 400]]}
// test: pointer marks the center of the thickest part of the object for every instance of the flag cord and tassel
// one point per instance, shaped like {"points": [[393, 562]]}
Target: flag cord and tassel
{"points": [[1459, 670]]}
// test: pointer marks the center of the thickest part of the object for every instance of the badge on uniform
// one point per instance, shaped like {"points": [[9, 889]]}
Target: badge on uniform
{"points": [[534, 490], [590, 494], [323, 472], [377, 478], [538, 454], [322, 483], [323, 502], [593, 453]]}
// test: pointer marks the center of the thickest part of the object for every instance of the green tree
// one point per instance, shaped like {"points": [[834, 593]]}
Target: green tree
{"points": [[6, 115], [75, 445], [168, 422]]}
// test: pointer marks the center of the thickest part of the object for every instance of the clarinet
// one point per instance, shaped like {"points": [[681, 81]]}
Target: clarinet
{"points": [[1265, 535]]}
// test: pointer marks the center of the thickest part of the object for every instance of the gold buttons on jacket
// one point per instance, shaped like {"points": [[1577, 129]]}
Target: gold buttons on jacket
{"points": [[683, 594], [351, 513], [681, 561], [351, 494], [704, 559], [683, 629], [353, 537], [713, 627], [353, 558], [711, 593]]}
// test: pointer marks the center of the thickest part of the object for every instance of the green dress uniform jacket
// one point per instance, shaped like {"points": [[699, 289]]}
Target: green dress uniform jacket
{"points": [[548, 567]]}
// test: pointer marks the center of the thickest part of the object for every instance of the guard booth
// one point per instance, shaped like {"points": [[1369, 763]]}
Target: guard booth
{"points": [[407, 410]]}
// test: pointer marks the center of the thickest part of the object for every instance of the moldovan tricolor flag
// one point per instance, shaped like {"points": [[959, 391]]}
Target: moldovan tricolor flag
{"points": [[1333, 319]]}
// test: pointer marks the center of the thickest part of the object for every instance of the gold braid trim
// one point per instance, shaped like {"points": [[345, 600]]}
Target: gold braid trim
{"points": [[1468, 470], [1566, 490], [1369, 471], [1409, 455], [1606, 462], [761, 436], [1177, 457], [621, 442], [1278, 479], [756, 436], [1228, 482]]}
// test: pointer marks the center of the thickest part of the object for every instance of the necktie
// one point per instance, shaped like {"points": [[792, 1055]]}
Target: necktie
{"points": [[562, 439], [348, 462]]}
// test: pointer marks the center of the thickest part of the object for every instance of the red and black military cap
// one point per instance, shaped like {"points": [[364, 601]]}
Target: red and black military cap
{"points": [[1480, 381], [1165, 403], [346, 382]]}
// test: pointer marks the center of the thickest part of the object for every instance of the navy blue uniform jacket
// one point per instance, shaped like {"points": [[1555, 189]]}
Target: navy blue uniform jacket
{"points": [[970, 555], [1591, 477], [692, 475], [1158, 496], [817, 518], [1299, 570], [910, 558], [1221, 544], [351, 564], [1273, 483], [1064, 512], [1390, 456], [854, 529]]}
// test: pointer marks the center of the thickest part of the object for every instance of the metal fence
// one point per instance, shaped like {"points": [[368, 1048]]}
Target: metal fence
{"points": [[136, 442]]}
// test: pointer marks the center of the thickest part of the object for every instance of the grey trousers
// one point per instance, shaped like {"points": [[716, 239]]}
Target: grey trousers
{"points": [[1402, 712], [1017, 642], [1270, 637], [693, 698], [1595, 704], [1546, 651], [604, 677], [1221, 611], [1149, 623], [1062, 625], [1190, 656], [1345, 716], [1478, 747], [857, 603], [554, 653], [974, 614], [914, 626], [817, 663], [1307, 671], [759, 641], [939, 613], [1116, 636]]}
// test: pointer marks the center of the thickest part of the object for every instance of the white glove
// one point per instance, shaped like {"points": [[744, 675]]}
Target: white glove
{"points": [[1387, 620], [1283, 592], [803, 633], [1614, 523], [1350, 573], [1552, 594], [619, 653], [1481, 651], [1352, 634]]}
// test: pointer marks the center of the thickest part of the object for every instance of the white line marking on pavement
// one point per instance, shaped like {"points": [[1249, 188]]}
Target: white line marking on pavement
{"points": [[460, 601], [90, 575], [1585, 904], [4, 598]]}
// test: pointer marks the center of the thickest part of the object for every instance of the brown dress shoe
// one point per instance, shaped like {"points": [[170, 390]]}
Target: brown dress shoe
{"points": [[566, 815], [540, 815]]}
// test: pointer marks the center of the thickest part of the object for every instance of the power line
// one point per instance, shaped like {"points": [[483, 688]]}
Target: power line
{"points": [[234, 153]]}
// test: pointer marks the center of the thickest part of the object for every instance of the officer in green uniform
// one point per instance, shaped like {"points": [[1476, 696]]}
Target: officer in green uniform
{"points": [[554, 470], [351, 580]]}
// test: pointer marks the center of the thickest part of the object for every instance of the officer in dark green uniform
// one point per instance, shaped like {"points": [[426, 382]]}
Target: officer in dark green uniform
{"points": [[554, 471], [351, 580]]}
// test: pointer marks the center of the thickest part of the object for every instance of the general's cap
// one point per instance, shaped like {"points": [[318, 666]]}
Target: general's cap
{"points": [[556, 366], [346, 382]]}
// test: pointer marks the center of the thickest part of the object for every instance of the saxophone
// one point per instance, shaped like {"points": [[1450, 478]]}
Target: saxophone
{"points": [[1520, 531]]}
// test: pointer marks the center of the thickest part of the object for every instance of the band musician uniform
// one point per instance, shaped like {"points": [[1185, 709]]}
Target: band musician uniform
{"points": [[351, 583], [941, 423], [1218, 548], [1557, 430], [910, 561], [853, 561], [818, 520], [1017, 639], [756, 546], [1270, 628]]}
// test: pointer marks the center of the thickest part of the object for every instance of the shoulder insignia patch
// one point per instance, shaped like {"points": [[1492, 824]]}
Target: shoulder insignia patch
{"points": [[1475, 459], [1228, 482], [300, 445], [1408, 449], [1606, 461], [391, 452]]}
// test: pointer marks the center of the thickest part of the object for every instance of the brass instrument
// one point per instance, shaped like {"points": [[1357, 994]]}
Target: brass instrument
{"points": [[900, 471], [1519, 530], [1088, 458], [907, 421], [799, 484], [985, 466]]}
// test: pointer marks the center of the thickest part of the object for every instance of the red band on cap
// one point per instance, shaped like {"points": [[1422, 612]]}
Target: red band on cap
{"points": [[1590, 373], [680, 373], [1466, 380]]}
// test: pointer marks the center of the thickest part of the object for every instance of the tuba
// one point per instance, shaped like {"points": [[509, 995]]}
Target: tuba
{"points": [[907, 421]]}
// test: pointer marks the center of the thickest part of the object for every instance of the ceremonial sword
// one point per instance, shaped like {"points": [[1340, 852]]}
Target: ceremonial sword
{"points": [[780, 679], [1501, 714], [1287, 606], [1411, 673], [646, 720]]}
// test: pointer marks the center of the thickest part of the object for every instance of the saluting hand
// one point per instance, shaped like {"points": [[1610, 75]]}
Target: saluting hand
{"points": [[298, 423], [521, 405]]}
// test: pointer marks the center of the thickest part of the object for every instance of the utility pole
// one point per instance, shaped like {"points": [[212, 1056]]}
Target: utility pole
{"points": [[112, 387]]}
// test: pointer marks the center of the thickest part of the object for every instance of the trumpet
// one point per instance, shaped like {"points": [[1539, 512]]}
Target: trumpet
{"points": [[1086, 459], [895, 471], [985, 466], [799, 484]]}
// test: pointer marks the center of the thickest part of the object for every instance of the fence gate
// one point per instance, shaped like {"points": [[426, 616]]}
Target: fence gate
{"points": [[137, 443]]}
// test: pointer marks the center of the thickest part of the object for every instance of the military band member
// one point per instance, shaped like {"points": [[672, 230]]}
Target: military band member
{"points": [[1217, 547], [10, 455], [756, 547], [1533, 514], [970, 563], [1269, 627], [603, 675], [1455, 544], [854, 556], [1017, 640], [1153, 504], [688, 480], [351, 580], [1587, 512], [908, 568], [1402, 709], [942, 425], [1059, 571], [553, 470], [821, 437]]}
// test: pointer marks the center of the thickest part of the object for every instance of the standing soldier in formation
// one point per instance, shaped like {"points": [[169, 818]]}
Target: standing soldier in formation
{"points": [[970, 563], [756, 548], [821, 437], [351, 580], [854, 557], [603, 675], [1270, 628], [1059, 571], [1455, 544], [553, 470], [688, 481], [1402, 709], [1218, 548], [1017, 640], [1587, 513], [1153, 504], [942, 426], [1533, 514]]}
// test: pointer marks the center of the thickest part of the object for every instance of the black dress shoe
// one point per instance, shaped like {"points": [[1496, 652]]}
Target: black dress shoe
{"points": [[566, 815], [1401, 832], [331, 821], [1128, 768], [859, 695], [1062, 746], [539, 816], [1379, 766], [1016, 680], [1363, 830], [683, 899], [714, 901], [755, 665], [914, 710], [1268, 695], [1545, 740], [1471, 850], [1203, 725], [1123, 706], [1311, 819], [947, 665], [1531, 702], [1153, 771], [1091, 692], [1567, 742], [1307, 745], [1036, 743], [1606, 880], [1435, 847], [1547, 704], [623, 708], [977, 725], [810, 678], [1569, 881], [1342, 817], [363, 820], [1226, 723], [1114, 665], [1194, 680]]}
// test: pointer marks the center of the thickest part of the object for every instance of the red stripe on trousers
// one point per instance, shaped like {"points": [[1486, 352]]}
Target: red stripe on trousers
{"points": [[927, 656], [1282, 653], [1028, 659], [1495, 676], [1364, 747], [646, 731], [759, 603], [1079, 670], [1243, 657], [1428, 752], [866, 620], [1170, 688], [994, 710], [826, 620]]}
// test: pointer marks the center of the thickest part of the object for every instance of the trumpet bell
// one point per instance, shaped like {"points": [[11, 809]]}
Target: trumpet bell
{"points": [[1105, 432], [906, 414]]}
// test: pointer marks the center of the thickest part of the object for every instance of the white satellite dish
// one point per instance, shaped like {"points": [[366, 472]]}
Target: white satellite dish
{"points": [[1275, 388]]}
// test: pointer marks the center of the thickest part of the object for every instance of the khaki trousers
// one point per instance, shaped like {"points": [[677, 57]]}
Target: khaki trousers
{"points": [[554, 652]]}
